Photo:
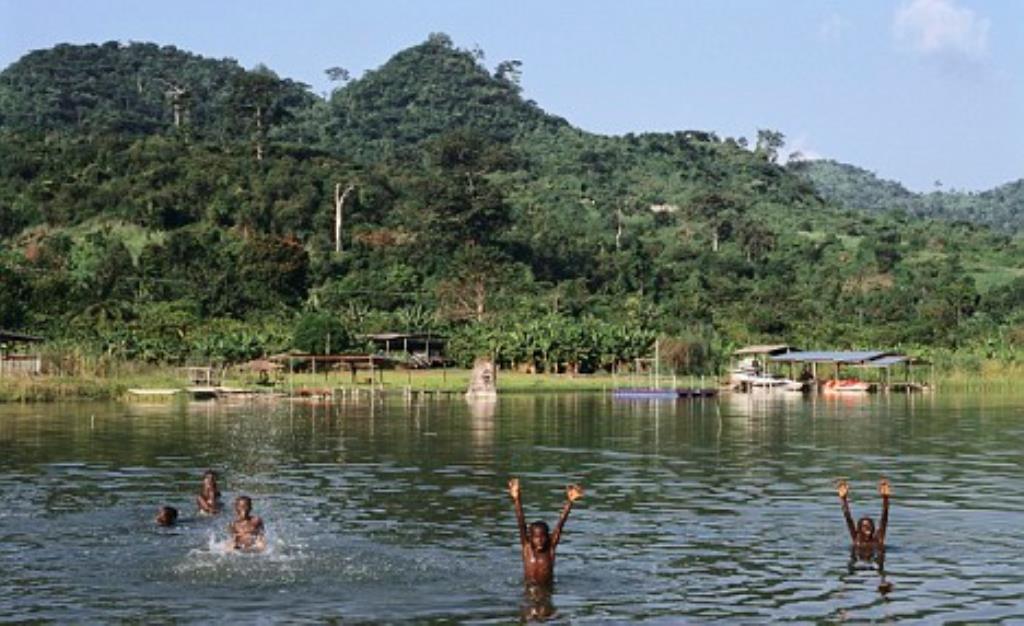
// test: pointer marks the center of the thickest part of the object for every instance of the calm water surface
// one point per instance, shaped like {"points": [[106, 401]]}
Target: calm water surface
{"points": [[709, 512]]}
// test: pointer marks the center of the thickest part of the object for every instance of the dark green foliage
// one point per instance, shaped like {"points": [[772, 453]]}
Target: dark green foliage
{"points": [[14, 293], [473, 214], [421, 93], [224, 274], [1001, 208], [321, 333], [131, 88]]}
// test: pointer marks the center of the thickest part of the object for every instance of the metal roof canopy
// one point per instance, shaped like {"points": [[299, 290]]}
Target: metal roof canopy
{"points": [[9, 337], [395, 336], [843, 357], [896, 359], [765, 349]]}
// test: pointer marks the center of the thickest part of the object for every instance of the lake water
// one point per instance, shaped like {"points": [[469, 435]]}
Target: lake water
{"points": [[718, 511]]}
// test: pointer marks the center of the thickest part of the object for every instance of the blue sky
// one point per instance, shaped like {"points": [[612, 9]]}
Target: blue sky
{"points": [[915, 90]]}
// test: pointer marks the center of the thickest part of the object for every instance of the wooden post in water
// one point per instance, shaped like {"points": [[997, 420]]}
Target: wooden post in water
{"points": [[657, 365]]}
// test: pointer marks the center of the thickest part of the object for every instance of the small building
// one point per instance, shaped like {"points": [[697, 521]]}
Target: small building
{"points": [[263, 370], [420, 349], [835, 361], [15, 358], [202, 376], [836, 358], [324, 363]]}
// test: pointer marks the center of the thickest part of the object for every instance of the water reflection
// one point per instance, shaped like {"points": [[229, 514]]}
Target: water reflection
{"points": [[538, 604], [721, 511], [871, 559]]}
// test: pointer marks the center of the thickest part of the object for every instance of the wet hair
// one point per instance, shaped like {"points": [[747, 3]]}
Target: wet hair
{"points": [[209, 474], [246, 500], [167, 515], [542, 525], [869, 521]]}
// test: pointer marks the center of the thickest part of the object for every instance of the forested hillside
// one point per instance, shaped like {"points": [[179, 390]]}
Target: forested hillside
{"points": [[156, 205], [1001, 208]]}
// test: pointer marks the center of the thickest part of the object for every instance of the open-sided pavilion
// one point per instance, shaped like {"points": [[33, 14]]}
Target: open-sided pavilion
{"points": [[837, 359], [13, 362]]}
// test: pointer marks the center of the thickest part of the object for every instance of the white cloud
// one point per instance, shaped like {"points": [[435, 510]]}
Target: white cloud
{"points": [[941, 28]]}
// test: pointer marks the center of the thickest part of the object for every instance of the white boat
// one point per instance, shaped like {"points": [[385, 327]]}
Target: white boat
{"points": [[747, 376]]}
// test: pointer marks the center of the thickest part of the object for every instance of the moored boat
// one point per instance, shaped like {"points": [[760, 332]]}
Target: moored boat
{"points": [[847, 385]]}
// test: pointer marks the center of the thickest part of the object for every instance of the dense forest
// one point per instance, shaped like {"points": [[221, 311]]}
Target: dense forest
{"points": [[156, 205], [1001, 208]]}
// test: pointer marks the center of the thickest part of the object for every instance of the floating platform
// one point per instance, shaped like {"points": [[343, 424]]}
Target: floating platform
{"points": [[153, 393], [647, 393]]}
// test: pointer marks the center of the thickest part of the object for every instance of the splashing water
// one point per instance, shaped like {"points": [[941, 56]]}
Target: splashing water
{"points": [[710, 512]]}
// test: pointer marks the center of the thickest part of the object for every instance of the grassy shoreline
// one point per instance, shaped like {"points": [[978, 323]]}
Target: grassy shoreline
{"points": [[115, 386]]}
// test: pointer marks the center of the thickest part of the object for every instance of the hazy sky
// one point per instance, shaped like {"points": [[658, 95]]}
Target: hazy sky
{"points": [[915, 90]]}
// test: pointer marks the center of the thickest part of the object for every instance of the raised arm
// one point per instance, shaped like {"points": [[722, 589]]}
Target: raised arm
{"points": [[885, 490], [843, 489], [513, 491], [572, 494]]}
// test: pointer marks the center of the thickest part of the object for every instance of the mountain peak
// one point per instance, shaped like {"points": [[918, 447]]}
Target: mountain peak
{"points": [[428, 89], [134, 88]]}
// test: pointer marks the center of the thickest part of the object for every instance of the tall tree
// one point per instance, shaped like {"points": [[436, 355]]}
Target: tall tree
{"points": [[769, 142]]}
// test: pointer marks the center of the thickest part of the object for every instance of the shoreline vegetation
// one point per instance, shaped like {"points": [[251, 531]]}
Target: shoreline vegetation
{"points": [[247, 218], [115, 386]]}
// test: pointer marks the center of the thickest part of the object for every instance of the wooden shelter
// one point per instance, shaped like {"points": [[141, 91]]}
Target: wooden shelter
{"points": [[420, 349], [373, 363], [12, 362], [263, 369], [868, 359], [202, 376]]}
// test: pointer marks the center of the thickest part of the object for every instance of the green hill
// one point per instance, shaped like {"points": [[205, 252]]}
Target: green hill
{"points": [[424, 91], [1001, 208], [471, 212], [136, 88]]}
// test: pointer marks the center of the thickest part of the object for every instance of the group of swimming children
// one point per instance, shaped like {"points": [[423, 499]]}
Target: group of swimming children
{"points": [[247, 532], [536, 540]]}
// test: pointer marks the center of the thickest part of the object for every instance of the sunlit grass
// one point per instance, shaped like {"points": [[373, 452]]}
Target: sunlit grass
{"points": [[982, 375]]}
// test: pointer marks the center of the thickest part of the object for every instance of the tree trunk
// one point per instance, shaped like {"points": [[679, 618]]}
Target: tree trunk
{"points": [[339, 216], [618, 230], [259, 133], [481, 299]]}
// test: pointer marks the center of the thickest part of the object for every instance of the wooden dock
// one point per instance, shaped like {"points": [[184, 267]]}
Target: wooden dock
{"points": [[647, 393]]}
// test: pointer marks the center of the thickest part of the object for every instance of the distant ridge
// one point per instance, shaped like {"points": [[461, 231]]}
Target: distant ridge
{"points": [[853, 187]]}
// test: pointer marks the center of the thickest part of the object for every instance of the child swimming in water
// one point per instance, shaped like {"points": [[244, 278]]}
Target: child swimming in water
{"points": [[247, 533], [866, 538], [537, 543], [209, 495], [166, 516]]}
